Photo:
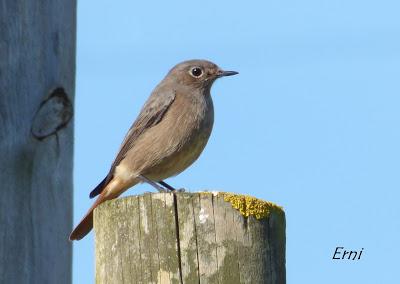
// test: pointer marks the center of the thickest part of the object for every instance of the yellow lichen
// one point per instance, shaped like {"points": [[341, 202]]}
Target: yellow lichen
{"points": [[251, 206]]}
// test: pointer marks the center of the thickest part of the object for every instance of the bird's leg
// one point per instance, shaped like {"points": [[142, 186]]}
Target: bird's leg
{"points": [[152, 183], [166, 185]]}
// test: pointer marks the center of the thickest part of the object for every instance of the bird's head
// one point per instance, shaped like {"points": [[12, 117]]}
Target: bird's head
{"points": [[197, 73]]}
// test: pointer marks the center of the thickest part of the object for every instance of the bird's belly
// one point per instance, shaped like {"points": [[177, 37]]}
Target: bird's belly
{"points": [[180, 159], [171, 146]]}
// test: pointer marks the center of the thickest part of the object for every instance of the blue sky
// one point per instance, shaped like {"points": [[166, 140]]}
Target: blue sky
{"points": [[311, 123]]}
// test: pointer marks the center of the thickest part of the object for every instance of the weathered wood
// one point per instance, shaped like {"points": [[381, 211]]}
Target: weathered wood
{"points": [[37, 74], [215, 243]]}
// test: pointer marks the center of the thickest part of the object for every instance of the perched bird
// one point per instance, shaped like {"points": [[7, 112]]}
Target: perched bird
{"points": [[169, 134]]}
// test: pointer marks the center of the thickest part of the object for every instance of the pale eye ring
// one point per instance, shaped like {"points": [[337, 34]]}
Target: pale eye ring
{"points": [[196, 72]]}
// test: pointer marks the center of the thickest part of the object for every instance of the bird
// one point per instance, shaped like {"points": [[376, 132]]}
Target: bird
{"points": [[169, 134]]}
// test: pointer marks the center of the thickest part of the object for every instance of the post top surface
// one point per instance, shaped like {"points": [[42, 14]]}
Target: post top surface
{"points": [[246, 205]]}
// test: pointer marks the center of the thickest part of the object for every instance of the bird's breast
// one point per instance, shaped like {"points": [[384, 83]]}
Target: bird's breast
{"points": [[187, 128]]}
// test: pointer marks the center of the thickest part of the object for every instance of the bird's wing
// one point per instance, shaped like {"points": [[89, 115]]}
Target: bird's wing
{"points": [[151, 114]]}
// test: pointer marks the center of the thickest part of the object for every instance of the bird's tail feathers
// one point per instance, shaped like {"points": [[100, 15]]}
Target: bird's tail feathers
{"points": [[112, 190], [86, 224], [100, 187]]}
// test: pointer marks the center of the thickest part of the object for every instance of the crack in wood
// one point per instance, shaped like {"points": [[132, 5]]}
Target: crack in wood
{"points": [[178, 242], [197, 243]]}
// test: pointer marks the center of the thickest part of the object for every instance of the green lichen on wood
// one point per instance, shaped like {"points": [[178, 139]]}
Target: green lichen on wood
{"points": [[251, 206]]}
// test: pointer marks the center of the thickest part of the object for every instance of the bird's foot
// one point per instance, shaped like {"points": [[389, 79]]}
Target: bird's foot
{"points": [[161, 186], [152, 183], [169, 187]]}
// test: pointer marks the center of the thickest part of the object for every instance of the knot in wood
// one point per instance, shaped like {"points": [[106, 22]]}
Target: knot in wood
{"points": [[53, 114]]}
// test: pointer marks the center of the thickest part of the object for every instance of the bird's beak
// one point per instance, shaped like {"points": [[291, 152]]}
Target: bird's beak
{"points": [[222, 73]]}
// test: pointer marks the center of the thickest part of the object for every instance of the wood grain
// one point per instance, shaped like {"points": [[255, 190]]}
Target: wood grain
{"points": [[197, 236], [37, 82]]}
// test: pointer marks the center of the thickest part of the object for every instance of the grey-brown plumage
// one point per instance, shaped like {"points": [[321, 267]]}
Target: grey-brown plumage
{"points": [[169, 134]]}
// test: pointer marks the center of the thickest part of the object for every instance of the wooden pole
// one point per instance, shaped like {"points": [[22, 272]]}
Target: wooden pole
{"points": [[37, 77], [189, 238]]}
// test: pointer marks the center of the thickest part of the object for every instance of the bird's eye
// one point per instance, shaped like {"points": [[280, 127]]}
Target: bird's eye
{"points": [[196, 72]]}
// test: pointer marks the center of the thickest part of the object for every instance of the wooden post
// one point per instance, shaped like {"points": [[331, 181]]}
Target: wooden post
{"points": [[37, 77], [189, 238]]}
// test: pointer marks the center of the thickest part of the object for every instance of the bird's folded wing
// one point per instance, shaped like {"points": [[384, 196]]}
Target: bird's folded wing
{"points": [[150, 115]]}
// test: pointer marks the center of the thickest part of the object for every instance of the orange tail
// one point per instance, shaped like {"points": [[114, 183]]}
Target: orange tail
{"points": [[86, 224], [113, 189]]}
